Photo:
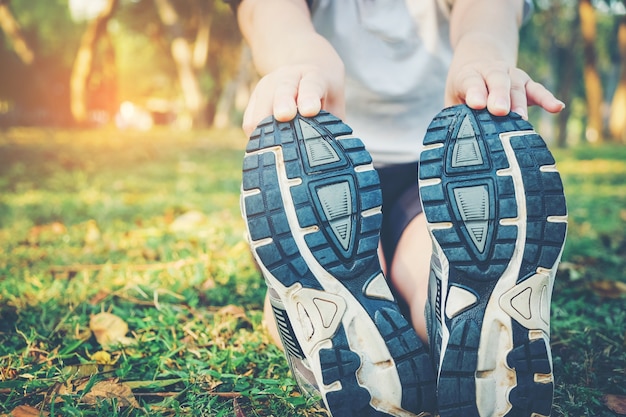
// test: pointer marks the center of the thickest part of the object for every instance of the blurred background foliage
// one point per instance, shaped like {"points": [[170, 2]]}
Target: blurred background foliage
{"points": [[136, 63], [136, 57]]}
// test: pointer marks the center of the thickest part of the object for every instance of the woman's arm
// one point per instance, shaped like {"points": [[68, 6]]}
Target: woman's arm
{"points": [[301, 70], [485, 36]]}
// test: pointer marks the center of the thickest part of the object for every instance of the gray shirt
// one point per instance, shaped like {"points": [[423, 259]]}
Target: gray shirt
{"points": [[396, 54]]}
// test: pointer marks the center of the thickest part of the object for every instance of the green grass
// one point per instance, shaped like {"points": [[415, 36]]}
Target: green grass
{"points": [[147, 226]]}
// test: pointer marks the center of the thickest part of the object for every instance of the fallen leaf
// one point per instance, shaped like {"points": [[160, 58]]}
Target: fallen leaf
{"points": [[574, 271], [189, 221], [609, 289], [236, 312], [102, 357], [84, 370], [27, 411], [208, 284], [109, 330], [61, 389], [111, 389], [55, 228], [615, 403], [99, 297], [92, 235]]}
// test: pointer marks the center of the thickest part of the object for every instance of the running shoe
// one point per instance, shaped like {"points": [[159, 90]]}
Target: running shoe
{"points": [[495, 208], [312, 204]]}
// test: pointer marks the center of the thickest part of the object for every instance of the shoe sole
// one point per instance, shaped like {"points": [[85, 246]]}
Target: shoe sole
{"points": [[496, 211], [312, 203]]}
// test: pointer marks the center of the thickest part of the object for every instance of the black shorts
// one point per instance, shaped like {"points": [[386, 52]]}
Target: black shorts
{"points": [[401, 203]]}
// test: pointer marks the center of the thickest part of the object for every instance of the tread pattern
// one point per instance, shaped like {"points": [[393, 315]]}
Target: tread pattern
{"points": [[530, 357], [458, 371], [476, 195], [336, 197], [411, 358]]}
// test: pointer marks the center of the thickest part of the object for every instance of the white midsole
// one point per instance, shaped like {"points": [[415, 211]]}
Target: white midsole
{"points": [[377, 373], [494, 379]]}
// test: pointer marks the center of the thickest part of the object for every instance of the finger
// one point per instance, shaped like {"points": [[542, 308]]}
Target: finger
{"points": [[335, 104], [284, 103], [499, 85], [273, 95], [476, 96], [519, 104], [471, 90], [252, 115], [311, 93], [538, 95]]}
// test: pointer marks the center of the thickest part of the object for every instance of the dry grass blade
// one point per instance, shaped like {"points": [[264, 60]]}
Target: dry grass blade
{"points": [[237, 409], [229, 394]]}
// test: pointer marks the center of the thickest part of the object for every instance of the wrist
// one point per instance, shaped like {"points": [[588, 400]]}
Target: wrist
{"points": [[477, 46]]}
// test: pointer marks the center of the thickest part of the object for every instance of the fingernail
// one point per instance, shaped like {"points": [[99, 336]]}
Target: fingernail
{"points": [[308, 106], [522, 112], [282, 111], [475, 100], [501, 104]]}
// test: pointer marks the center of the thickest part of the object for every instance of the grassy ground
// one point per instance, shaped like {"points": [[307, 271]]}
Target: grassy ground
{"points": [[144, 231]]}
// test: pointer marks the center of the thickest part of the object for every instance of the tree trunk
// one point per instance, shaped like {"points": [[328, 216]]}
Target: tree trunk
{"points": [[103, 91], [617, 120], [593, 85], [203, 34], [84, 61], [236, 93], [565, 90], [566, 68], [12, 29], [183, 58]]}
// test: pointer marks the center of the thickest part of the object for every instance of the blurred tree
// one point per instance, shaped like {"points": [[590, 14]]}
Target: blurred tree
{"points": [[236, 92], [617, 120], [144, 62], [83, 63], [593, 83], [227, 63], [135, 60], [144, 47], [102, 86], [131, 60], [563, 40], [548, 53], [36, 91], [13, 31], [183, 58], [204, 17]]}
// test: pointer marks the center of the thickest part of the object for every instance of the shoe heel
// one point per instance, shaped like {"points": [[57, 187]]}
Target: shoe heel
{"points": [[496, 212], [312, 204]]}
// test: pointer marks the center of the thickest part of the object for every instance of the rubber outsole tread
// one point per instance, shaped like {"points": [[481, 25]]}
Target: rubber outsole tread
{"points": [[311, 201], [490, 191]]}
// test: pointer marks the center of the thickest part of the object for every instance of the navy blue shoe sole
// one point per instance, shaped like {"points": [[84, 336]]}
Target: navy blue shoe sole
{"points": [[496, 211], [312, 204]]}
